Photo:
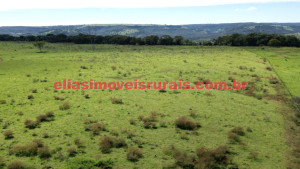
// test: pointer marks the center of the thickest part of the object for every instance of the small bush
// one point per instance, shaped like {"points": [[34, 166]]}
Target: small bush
{"points": [[120, 142], [65, 106], [163, 124], [186, 124], [2, 163], [8, 134], [193, 114], [2, 101], [17, 165], [44, 152], [132, 121], [34, 91], [30, 97], [72, 151], [212, 158], [31, 124], [115, 100], [58, 98], [134, 154], [46, 134], [39, 142], [78, 142], [41, 118], [106, 143], [20, 113], [238, 130], [253, 155], [95, 128], [83, 67], [233, 137]]}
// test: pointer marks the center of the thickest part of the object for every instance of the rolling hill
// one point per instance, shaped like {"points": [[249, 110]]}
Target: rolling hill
{"points": [[194, 32]]}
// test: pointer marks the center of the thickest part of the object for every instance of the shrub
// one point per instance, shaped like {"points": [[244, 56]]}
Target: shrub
{"points": [[238, 130], [20, 113], [132, 121], [46, 134], [114, 132], [72, 151], [34, 90], [113, 67], [78, 142], [65, 106], [39, 142], [253, 155], [115, 100], [58, 98], [27, 150], [2, 164], [163, 124], [212, 158], [2, 101], [30, 97], [41, 118], [31, 124], [233, 137], [17, 165], [44, 152], [120, 142], [134, 154], [186, 124], [95, 128], [8, 134], [83, 67], [81, 163], [106, 143], [193, 114]]}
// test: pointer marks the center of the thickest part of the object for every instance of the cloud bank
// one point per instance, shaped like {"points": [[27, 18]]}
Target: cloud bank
{"points": [[69, 4]]}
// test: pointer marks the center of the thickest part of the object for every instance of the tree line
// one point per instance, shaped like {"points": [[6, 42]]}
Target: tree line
{"points": [[258, 39], [253, 39]]}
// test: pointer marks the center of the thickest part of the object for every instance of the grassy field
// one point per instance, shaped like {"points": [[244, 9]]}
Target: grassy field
{"points": [[286, 63], [26, 85]]}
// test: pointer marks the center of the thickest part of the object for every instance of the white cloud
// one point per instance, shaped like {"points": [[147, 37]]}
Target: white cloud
{"points": [[252, 8], [62, 4]]}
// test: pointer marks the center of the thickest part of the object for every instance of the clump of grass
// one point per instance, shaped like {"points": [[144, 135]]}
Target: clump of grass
{"points": [[95, 127], [186, 124], [46, 134], [72, 151], [163, 124], [34, 90], [2, 101], [106, 143], [113, 67], [132, 121], [65, 106], [269, 68], [31, 124], [8, 134], [83, 67], [193, 113], [44, 152], [78, 142], [30, 97], [115, 100], [2, 163], [120, 142], [238, 130], [20, 113], [17, 165], [235, 133], [134, 154], [58, 98], [253, 155]]}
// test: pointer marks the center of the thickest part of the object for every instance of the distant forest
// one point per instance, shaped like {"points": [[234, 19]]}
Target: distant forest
{"points": [[252, 39]]}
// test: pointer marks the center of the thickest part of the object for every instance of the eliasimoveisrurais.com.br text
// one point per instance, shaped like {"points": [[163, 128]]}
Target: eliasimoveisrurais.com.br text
{"points": [[68, 84]]}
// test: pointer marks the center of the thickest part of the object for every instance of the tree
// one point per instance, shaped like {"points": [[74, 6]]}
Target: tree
{"points": [[40, 45], [178, 40], [274, 43], [166, 40]]}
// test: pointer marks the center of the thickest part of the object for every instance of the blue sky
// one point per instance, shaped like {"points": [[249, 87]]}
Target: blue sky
{"points": [[214, 13]]}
